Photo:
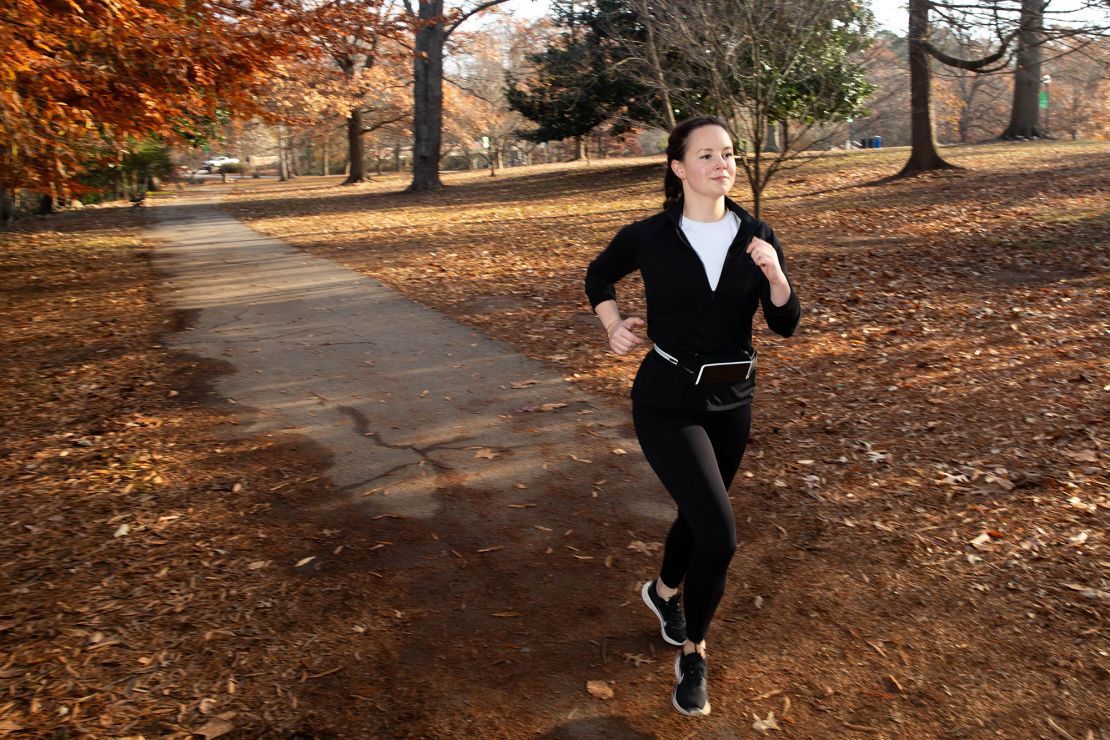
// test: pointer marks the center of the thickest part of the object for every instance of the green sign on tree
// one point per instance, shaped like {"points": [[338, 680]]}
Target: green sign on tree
{"points": [[1044, 99]]}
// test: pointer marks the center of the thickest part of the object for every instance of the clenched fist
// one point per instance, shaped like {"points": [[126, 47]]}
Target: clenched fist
{"points": [[621, 339], [764, 255]]}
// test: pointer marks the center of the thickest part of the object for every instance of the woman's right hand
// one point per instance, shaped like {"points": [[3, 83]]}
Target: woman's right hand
{"points": [[621, 338]]}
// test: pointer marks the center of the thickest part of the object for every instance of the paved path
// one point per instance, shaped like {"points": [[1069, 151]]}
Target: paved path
{"points": [[423, 419], [386, 384]]}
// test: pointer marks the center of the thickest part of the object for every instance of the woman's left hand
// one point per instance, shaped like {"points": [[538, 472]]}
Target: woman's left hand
{"points": [[764, 255]]}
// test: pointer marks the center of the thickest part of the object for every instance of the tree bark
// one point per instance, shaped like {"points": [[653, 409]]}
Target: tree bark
{"points": [[770, 141], [1025, 110], [285, 169], [357, 171], [579, 147], [656, 65], [7, 208], [427, 124], [923, 152]]}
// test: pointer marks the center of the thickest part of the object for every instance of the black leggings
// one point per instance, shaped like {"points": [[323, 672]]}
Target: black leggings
{"points": [[696, 455]]}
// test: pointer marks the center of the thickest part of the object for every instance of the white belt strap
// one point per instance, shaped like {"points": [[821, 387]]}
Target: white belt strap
{"points": [[669, 358]]}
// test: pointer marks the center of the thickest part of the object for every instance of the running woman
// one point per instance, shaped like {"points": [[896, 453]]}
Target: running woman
{"points": [[706, 264]]}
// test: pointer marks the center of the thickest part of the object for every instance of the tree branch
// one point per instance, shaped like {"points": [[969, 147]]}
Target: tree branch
{"points": [[382, 124], [467, 14], [973, 65]]}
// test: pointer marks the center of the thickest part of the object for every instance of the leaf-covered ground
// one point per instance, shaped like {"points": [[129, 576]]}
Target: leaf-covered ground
{"points": [[922, 509], [145, 555], [936, 430]]}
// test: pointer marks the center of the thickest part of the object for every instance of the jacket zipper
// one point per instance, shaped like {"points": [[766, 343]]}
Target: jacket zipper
{"points": [[684, 240]]}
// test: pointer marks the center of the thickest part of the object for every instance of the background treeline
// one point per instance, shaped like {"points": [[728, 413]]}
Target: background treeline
{"points": [[101, 98]]}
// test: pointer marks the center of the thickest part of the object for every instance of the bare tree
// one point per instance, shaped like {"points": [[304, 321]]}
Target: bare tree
{"points": [[1039, 25], [997, 17], [779, 65], [431, 30], [1080, 88], [975, 103], [483, 58]]}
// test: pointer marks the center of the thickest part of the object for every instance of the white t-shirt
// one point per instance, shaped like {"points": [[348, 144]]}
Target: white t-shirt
{"points": [[711, 240]]}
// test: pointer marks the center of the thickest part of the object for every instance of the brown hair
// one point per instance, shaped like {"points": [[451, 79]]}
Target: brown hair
{"points": [[676, 149]]}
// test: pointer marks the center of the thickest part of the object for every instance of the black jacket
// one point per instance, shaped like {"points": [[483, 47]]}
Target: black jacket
{"points": [[684, 316]]}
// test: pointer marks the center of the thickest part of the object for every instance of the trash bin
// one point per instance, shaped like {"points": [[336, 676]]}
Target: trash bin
{"points": [[877, 142]]}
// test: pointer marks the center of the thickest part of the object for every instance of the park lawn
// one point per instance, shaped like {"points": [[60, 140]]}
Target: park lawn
{"points": [[933, 440], [936, 430]]}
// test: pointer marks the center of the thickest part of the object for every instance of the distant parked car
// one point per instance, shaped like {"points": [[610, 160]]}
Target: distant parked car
{"points": [[211, 165]]}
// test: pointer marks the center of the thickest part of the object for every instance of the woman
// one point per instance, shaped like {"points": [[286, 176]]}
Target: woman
{"points": [[706, 263]]}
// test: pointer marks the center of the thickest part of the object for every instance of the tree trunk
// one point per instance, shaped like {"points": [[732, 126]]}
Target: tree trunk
{"points": [[427, 124], [770, 141], [7, 208], [1027, 74], [397, 156], [579, 147], [285, 170], [326, 153], [48, 204], [656, 65], [354, 148], [923, 151]]}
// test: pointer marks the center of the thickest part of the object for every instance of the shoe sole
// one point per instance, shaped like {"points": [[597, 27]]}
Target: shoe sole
{"points": [[674, 694], [656, 612]]}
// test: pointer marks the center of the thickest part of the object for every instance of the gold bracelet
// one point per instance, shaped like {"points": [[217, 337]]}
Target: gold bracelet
{"points": [[609, 328]]}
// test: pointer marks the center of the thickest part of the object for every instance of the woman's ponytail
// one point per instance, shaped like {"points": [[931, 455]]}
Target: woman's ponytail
{"points": [[672, 188]]}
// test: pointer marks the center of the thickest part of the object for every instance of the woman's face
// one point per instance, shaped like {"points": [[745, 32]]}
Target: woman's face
{"points": [[708, 168]]}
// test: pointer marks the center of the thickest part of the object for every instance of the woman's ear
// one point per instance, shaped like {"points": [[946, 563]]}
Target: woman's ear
{"points": [[678, 169]]}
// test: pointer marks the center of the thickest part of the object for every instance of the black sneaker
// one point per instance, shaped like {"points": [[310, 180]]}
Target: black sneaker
{"points": [[691, 697], [672, 622]]}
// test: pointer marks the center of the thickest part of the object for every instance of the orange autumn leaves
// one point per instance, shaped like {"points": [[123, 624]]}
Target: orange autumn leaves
{"points": [[77, 78]]}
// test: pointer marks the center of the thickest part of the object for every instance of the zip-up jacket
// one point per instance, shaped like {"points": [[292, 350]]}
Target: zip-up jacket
{"points": [[686, 317]]}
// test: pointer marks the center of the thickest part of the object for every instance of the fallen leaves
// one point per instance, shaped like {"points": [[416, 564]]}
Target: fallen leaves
{"points": [[542, 407], [981, 542], [216, 727], [1047, 496], [599, 689], [1095, 594], [637, 659], [766, 724]]}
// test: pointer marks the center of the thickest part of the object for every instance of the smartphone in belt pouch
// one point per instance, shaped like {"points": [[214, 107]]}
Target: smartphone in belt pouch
{"points": [[724, 372]]}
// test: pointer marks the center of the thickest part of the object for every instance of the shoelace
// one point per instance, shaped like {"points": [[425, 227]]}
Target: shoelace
{"points": [[693, 666], [672, 612]]}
